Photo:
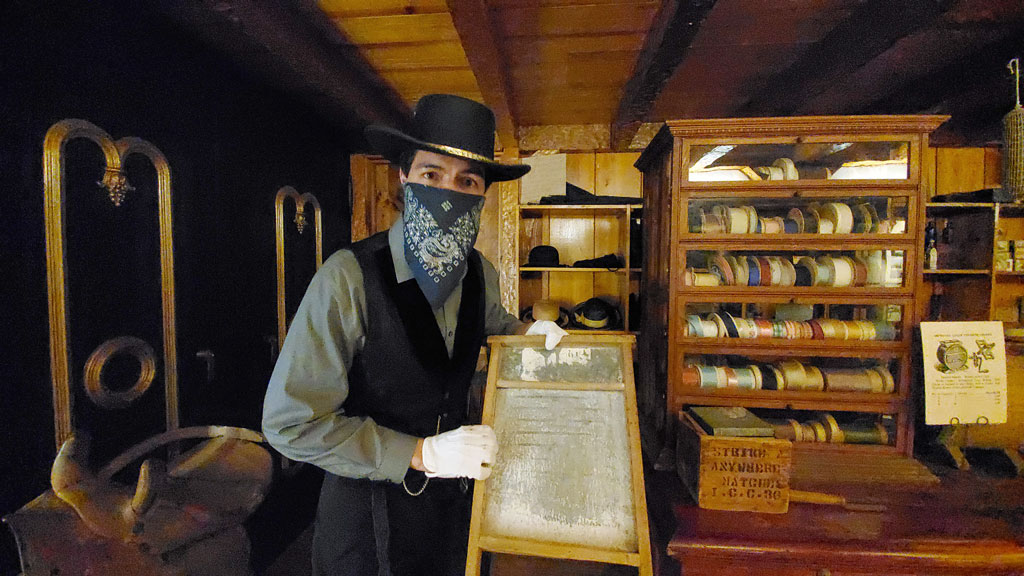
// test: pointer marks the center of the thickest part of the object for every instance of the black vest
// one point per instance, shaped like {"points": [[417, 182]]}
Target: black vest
{"points": [[403, 377]]}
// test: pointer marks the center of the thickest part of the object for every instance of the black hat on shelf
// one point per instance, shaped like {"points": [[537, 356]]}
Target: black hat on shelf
{"points": [[543, 256]]}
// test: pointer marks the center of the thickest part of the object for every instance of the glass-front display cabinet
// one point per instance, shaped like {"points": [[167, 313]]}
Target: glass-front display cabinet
{"points": [[789, 254]]}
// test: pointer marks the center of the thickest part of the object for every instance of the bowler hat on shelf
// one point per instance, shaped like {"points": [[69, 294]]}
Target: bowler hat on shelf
{"points": [[596, 314], [543, 256], [451, 125]]}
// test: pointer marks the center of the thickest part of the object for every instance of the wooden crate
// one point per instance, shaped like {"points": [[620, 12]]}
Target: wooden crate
{"points": [[733, 473]]}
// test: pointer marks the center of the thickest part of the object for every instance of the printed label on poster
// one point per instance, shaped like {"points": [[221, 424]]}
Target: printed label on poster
{"points": [[964, 372]]}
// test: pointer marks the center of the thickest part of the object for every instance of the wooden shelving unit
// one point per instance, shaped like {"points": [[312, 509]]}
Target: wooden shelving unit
{"points": [[579, 232], [983, 291], [678, 238]]}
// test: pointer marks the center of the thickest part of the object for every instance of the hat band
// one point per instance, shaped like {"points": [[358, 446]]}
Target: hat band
{"points": [[581, 319], [461, 153]]}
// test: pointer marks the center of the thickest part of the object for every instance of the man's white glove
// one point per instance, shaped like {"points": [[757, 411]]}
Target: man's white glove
{"points": [[465, 452], [552, 332]]}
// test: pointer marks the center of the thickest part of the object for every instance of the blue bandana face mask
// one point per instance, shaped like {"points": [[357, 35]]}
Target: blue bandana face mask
{"points": [[440, 230]]}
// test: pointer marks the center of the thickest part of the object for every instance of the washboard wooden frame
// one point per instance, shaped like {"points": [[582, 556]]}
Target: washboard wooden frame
{"points": [[481, 538]]}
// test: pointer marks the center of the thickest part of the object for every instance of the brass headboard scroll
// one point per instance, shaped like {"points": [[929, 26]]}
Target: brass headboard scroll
{"points": [[56, 266], [301, 201]]}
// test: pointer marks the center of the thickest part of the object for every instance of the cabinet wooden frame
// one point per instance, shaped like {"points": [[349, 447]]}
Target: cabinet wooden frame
{"points": [[663, 343]]}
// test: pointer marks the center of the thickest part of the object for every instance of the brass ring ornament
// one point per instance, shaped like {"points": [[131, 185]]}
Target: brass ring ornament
{"points": [[103, 395]]}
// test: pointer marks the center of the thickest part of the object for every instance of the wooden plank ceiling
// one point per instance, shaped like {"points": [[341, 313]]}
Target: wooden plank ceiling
{"points": [[612, 69]]}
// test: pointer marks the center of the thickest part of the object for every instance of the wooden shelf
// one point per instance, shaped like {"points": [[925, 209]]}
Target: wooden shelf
{"points": [[834, 242], [578, 207], [801, 188], [804, 243], [795, 347], [572, 269], [959, 272], [792, 399], [930, 205], [752, 291]]}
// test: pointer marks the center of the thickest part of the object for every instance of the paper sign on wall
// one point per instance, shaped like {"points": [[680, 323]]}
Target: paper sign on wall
{"points": [[964, 372]]}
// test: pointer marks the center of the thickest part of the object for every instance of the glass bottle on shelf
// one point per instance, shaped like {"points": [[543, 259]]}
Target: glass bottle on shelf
{"points": [[931, 254]]}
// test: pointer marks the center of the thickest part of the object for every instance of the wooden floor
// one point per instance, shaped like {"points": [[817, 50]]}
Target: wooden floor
{"points": [[295, 561]]}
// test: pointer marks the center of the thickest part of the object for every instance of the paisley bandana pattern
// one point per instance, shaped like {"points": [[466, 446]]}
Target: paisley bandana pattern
{"points": [[440, 230]]}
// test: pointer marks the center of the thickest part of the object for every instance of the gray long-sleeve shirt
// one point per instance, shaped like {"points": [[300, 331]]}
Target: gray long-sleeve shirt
{"points": [[303, 416]]}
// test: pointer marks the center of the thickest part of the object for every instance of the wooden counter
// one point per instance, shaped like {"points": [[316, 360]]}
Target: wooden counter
{"points": [[966, 525]]}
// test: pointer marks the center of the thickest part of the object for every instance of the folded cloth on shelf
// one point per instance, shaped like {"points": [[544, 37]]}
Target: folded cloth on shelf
{"points": [[606, 261], [997, 194], [576, 195]]}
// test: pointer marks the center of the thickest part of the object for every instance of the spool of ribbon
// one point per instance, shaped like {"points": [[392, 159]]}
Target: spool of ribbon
{"points": [[693, 277], [798, 217], [720, 267], [840, 215], [708, 376], [710, 329], [738, 219], [793, 374], [849, 380], [842, 271], [753, 271], [862, 433]]}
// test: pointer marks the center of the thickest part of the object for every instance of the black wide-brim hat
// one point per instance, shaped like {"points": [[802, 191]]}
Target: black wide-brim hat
{"points": [[451, 125]]}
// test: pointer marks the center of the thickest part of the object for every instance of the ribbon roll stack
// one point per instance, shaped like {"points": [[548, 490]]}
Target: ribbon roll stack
{"points": [[815, 218], [791, 375], [863, 268], [725, 325]]}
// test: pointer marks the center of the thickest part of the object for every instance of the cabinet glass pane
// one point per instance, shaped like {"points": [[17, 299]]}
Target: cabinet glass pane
{"points": [[806, 215], [799, 161], [760, 321], [820, 269], [833, 426]]}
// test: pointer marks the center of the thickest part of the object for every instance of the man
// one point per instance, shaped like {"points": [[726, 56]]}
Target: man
{"points": [[371, 384]]}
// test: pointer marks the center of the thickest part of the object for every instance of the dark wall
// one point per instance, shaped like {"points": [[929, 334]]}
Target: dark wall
{"points": [[231, 142]]}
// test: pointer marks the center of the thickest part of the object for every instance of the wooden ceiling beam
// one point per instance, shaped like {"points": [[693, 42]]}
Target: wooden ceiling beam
{"points": [[871, 29], [294, 46], [976, 91], [674, 27], [965, 33], [476, 30]]}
